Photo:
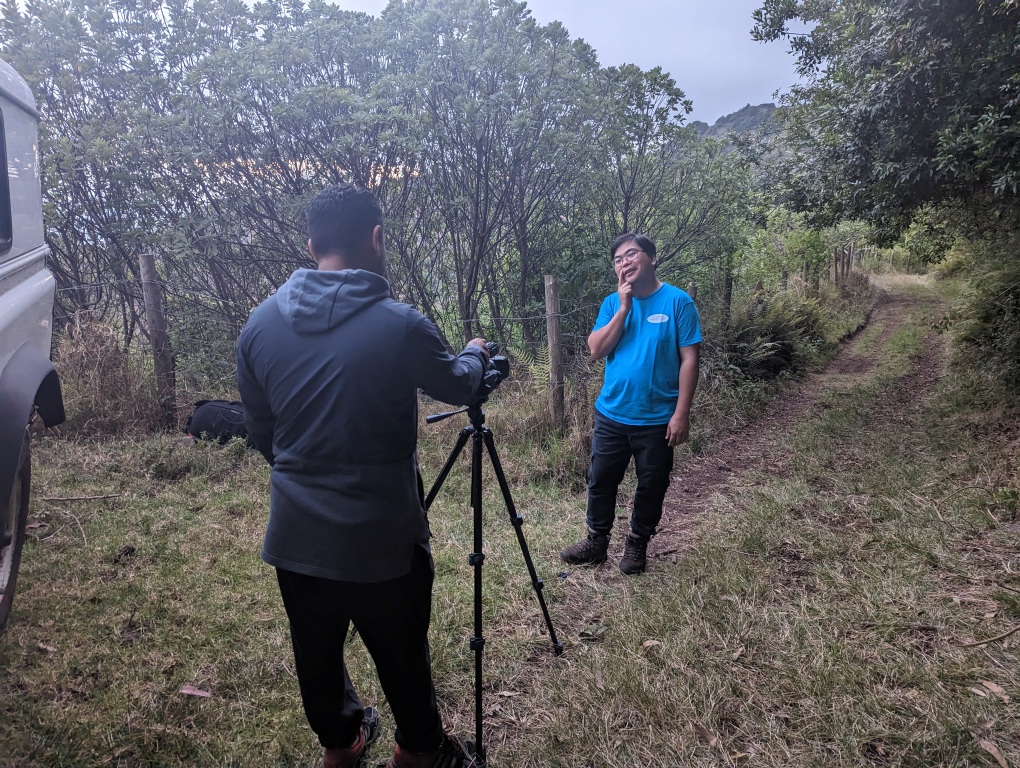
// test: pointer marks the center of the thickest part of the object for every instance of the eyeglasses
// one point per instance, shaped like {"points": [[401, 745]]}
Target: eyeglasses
{"points": [[629, 255]]}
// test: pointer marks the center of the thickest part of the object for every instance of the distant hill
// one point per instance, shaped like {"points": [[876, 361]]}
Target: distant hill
{"points": [[743, 120]]}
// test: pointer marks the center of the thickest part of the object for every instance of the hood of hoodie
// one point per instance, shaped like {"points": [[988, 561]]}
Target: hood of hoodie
{"points": [[313, 301]]}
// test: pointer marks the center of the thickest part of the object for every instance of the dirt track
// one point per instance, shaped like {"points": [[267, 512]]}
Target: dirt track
{"points": [[756, 446]]}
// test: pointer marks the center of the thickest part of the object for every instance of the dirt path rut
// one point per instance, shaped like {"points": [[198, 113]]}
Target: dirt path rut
{"points": [[758, 445]]}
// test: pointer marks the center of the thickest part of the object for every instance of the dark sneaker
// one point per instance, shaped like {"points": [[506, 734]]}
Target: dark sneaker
{"points": [[591, 551], [452, 753], [353, 756], [634, 558]]}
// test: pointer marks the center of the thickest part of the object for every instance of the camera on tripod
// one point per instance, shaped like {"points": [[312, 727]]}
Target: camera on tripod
{"points": [[482, 440], [497, 370]]}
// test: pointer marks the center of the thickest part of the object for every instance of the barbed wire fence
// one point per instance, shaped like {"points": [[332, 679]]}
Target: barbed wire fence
{"points": [[548, 345], [199, 347]]}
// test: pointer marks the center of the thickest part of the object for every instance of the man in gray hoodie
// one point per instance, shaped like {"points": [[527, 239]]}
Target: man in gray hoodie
{"points": [[328, 369]]}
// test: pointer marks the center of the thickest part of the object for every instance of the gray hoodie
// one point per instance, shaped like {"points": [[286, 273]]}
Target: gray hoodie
{"points": [[328, 369]]}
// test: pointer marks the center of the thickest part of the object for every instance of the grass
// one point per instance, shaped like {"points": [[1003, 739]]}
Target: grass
{"points": [[829, 613]]}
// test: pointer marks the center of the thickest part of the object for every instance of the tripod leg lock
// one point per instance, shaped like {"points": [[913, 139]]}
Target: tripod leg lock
{"points": [[477, 643], [476, 558]]}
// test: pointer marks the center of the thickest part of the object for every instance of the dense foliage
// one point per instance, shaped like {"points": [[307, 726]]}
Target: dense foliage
{"points": [[905, 102], [502, 151], [909, 116], [196, 130]]}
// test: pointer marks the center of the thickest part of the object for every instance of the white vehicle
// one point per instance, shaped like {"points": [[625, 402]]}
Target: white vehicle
{"points": [[28, 382]]}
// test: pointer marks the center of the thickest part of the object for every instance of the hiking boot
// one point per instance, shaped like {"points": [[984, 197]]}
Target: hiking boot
{"points": [[452, 753], [352, 756], [591, 551], [634, 558]]}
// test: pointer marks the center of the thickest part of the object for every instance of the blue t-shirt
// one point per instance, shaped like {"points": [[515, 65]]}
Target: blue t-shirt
{"points": [[642, 380]]}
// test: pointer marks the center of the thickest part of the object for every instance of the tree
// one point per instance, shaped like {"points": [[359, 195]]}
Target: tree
{"points": [[196, 130], [655, 175], [789, 245], [907, 103], [498, 105]]}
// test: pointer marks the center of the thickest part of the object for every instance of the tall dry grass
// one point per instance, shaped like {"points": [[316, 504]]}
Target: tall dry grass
{"points": [[108, 390]]}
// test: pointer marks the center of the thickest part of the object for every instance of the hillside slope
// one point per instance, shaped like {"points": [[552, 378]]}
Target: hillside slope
{"points": [[744, 120]]}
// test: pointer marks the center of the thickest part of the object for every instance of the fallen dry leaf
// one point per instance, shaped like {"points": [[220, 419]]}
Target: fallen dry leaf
{"points": [[994, 751], [980, 692], [707, 735], [649, 644], [190, 690], [996, 689]]}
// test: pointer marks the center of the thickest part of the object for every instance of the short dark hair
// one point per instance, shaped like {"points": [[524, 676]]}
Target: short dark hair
{"points": [[643, 242], [341, 218]]}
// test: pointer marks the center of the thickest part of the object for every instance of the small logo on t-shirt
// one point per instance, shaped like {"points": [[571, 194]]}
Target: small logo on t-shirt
{"points": [[658, 318]]}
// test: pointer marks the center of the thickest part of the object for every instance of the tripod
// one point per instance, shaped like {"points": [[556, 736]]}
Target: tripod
{"points": [[481, 434]]}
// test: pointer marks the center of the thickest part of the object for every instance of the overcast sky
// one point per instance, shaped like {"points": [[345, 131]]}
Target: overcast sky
{"points": [[705, 45]]}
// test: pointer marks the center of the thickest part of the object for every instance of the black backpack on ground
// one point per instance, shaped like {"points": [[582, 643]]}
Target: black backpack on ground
{"points": [[217, 420]]}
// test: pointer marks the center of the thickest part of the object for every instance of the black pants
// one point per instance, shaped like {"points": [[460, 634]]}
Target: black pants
{"points": [[392, 618], [612, 446]]}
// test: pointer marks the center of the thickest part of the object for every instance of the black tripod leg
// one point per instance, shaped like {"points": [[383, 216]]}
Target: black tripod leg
{"points": [[517, 521], [476, 559], [457, 448]]}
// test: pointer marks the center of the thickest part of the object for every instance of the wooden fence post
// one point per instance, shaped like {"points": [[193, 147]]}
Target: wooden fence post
{"points": [[162, 353], [552, 323]]}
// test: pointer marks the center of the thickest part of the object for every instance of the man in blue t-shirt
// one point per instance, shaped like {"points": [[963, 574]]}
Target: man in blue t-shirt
{"points": [[650, 335]]}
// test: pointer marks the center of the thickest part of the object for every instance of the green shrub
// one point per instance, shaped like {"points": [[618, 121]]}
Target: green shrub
{"points": [[898, 258], [953, 264], [204, 355], [986, 317], [773, 334], [790, 332]]}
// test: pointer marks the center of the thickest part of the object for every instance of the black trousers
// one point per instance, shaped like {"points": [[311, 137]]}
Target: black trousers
{"points": [[612, 446], [392, 618]]}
